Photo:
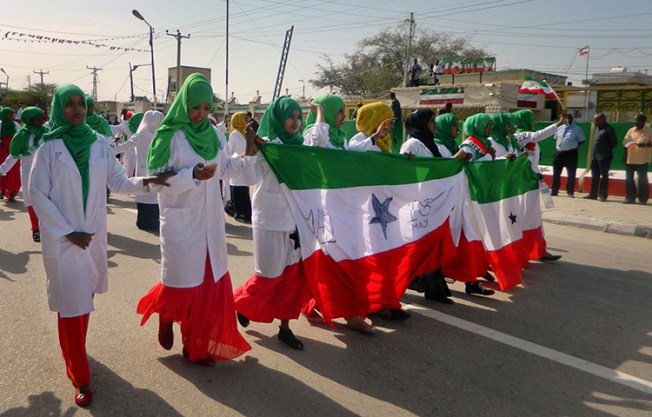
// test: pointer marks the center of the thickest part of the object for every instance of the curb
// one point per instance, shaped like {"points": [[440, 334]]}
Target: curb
{"points": [[608, 226]]}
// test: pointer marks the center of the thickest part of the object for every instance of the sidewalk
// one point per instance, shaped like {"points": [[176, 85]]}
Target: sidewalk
{"points": [[611, 216]]}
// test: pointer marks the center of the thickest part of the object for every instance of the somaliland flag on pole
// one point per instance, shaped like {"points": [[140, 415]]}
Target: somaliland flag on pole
{"points": [[368, 222], [505, 199], [537, 87], [584, 51]]}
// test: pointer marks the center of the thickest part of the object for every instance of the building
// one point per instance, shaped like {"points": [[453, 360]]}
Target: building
{"points": [[185, 71]]}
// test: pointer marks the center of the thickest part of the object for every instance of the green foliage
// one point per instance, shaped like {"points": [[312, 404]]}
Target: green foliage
{"points": [[379, 61], [36, 95]]}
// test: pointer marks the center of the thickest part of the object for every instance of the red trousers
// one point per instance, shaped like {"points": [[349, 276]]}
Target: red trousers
{"points": [[10, 183], [33, 218], [72, 338]]}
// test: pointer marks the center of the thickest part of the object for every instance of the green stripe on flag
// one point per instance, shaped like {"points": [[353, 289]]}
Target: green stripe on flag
{"points": [[496, 180], [308, 167]]}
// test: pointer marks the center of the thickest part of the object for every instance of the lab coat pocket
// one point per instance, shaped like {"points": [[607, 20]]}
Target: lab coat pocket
{"points": [[175, 223]]}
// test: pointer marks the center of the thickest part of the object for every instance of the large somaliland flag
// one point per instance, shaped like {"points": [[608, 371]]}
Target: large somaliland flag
{"points": [[368, 222], [505, 199]]}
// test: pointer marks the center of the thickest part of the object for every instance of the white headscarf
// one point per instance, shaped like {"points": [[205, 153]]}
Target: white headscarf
{"points": [[151, 121]]}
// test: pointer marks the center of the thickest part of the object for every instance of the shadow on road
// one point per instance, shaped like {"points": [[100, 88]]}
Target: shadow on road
{"points": [[14, 263], [133, 247], [44, 404], [255, 390]]}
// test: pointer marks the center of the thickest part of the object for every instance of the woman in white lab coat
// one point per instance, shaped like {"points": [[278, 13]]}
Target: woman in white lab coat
{"points": [[68, 181], [195, 289], [147, 205], [22, 148], [372, 122], [278, 289], [239, 206]]}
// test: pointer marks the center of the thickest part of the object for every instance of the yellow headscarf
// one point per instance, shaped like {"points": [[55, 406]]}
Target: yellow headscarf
{"points": [[369, 117], [239, 122]]}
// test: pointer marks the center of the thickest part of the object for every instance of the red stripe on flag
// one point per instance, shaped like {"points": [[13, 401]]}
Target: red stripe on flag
{"points": [[508, 261], [469, 262], [360, 286]]}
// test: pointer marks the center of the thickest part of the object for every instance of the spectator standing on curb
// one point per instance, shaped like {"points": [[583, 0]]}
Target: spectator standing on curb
{"points": [[568, 137], [638, 144], [601, 155]]}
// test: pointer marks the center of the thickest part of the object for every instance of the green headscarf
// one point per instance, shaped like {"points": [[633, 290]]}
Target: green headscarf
{"points": [[78, 139], [8, 125], [271, 125], [135, 119], [19, 145], [524, 120], [443, 131], [498, 132], [97, 122], [475, 126], [331, 105], [201, 136]]}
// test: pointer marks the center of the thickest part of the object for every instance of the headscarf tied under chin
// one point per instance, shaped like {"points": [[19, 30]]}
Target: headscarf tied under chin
{"points": [[369, 118], [524, 120], [239, 122], [331, 105], [272, 123], [476, 125], [443, 134], [201, 136], [417, 127], [19, 145], [77, 138], [8, 125], [499, 132]]}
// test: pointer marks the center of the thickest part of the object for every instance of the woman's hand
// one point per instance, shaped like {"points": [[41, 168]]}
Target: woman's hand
{"points": [[81, 239], [511, 156], [159, 179], [383, 129], [252, 139], [204, 172]]}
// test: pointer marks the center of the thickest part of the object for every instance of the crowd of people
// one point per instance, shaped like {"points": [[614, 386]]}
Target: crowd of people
{"points": [[182, 167]]}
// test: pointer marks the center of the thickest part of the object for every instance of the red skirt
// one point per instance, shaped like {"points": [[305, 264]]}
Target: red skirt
{"points": [[10, 183], [264, 299], [206, 314]]}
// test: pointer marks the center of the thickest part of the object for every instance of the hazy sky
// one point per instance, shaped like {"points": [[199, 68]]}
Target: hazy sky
{"points": [[537, 34]]}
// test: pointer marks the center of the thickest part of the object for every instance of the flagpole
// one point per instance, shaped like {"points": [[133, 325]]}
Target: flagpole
{"points": [[588, 84]]}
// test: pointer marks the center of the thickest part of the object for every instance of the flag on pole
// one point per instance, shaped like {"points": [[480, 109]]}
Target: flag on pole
{"points": [[368, 222], [584, 51], [537, 87]]}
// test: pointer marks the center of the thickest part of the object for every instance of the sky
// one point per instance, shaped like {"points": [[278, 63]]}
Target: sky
{"points": [[543, 35]]}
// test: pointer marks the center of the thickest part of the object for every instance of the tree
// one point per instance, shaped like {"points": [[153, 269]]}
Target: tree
{"points": [[379, 61], [36, 95]]}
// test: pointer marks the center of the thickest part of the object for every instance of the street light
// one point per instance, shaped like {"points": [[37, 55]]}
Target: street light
{"points": [[151, 48], [303, 94], [7, 82], [131, 78]]}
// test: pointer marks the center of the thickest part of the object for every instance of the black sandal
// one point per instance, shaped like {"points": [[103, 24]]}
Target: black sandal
{"points": [[476, 288], [286, 336], [243, 320]]}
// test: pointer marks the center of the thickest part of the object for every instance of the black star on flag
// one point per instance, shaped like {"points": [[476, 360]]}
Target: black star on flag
{"points": [[381, 210], [512, 217]]}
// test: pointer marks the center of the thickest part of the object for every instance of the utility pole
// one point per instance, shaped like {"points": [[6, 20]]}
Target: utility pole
{"points": [[94, 71], [409, 49], [178, 36], [226, 71], [41, 72]]}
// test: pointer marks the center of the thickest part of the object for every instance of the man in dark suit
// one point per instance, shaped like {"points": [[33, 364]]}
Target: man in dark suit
{"points": [[601, 155]]}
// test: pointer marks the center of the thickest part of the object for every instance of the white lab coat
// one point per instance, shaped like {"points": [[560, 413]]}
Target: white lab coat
{"points": [[192, 215], [317, 135], [139, 142], [129, 160], [416, 147], [237, 145], [25, 167], [362, 143], [523, 138], [270, 209], [75, 274]]}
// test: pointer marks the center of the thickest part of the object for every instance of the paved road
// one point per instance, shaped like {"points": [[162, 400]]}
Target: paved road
{"points": [[575, 340]]}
